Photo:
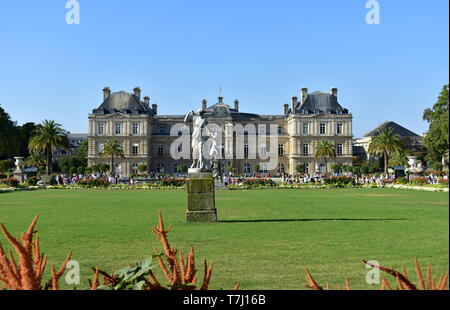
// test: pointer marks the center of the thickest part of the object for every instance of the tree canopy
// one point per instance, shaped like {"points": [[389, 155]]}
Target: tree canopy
{"points": [[436, 140]]}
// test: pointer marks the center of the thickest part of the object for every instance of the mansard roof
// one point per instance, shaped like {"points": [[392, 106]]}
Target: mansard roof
{"points": [[320, 102], [123, 102], [222, 110]]}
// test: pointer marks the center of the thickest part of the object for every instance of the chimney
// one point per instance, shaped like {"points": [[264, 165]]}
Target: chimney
{"points": [[147, 101], [106, 93], [204, 104], [304, 93], [294, 103], [286, 109], [155, 108], [334, 91], [236, 105], [137, 93]]}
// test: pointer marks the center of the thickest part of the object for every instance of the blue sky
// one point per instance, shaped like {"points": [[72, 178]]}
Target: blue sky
{"points": [[261, 52]]}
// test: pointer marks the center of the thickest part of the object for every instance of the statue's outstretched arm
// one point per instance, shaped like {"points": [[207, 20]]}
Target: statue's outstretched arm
{"points": [[188, 116]]}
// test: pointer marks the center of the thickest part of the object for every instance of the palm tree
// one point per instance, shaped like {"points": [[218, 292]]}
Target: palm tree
{"points": [[385, 144], [399, 158], [35, 159], [112, 148], [325, 149], [48, 137]]}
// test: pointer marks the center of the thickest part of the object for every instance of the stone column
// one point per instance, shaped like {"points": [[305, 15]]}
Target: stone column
{"points": [[200, 197]]}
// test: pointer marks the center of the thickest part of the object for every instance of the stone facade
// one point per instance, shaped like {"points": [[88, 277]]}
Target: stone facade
{"points": [[145, 135]]}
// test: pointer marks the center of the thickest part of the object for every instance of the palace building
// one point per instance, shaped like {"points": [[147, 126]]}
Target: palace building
{"points": [[145, 135]]}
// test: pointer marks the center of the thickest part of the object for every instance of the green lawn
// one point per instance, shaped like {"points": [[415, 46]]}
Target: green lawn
{"points": [[265, 238]]}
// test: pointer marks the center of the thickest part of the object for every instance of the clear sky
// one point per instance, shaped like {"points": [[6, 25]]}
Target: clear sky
{"points": [[261, 52]]}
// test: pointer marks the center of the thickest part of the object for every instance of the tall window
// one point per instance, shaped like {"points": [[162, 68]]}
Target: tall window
{"points": [[101, 128], [280, 129], [281, 168], [118, 128], [339, 149], [305, 128], [135, 149], [162, 130], [245, 150], [247, 168], [263, 151], [135, 129], [339, 129], [134, 169], [175, 167], [280, 149], [322, 128], [305, 148], [160, 149], [100, 148]]}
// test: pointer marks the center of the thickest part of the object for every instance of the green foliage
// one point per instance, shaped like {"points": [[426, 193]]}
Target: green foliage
{"points": [[337, 168], [385, 144], [437, 166], [6, 165], [301, 168], [182, 169], [89, 183], [73, 170], [142, 168], [47, 137], [437, 140], [132, 277], [9, 146], [419, 181], [325, 149], [11, 182], [32, 181], [341, 181], [257, 168], [103, 168], [399, 158], [255, 183], [88, 170], [111, 149], [172, 182]]}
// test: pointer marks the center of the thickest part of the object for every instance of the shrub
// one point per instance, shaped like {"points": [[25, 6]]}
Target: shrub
{"points": [[259, 183], [419, 181], [401, 180], [12, 182], [93, 183], [340, 181], [32, 181], [175, 182], [3, 176]]}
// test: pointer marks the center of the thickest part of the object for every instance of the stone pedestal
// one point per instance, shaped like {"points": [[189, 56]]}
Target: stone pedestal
{"points": [[201, 205]]}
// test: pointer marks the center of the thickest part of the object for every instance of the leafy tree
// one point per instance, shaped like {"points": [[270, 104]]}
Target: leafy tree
{"points": [[25, 132], [8, 136], [399, 158], [182, 169], [325, 149], [301, 168], [257, 168], [35, 159], [142, 168], [336, 168], [436, 140], [385, 144], [111, 149], [48, 137], [6, 165], [103, 167]]}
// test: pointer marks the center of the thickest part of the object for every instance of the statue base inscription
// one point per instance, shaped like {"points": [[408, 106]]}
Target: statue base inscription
{"points": [[200, 197]]}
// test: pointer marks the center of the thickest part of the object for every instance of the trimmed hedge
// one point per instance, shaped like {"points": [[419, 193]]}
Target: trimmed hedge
{"points": [[11, 182]]}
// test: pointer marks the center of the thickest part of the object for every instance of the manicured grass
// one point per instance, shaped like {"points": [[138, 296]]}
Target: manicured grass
{"points": [[266, 237]]}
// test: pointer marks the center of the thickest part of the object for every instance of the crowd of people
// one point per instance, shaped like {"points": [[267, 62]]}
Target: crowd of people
{"points": [[67, 179]]}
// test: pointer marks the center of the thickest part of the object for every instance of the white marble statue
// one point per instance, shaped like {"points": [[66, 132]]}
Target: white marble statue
{"points": [[199, 122]]}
